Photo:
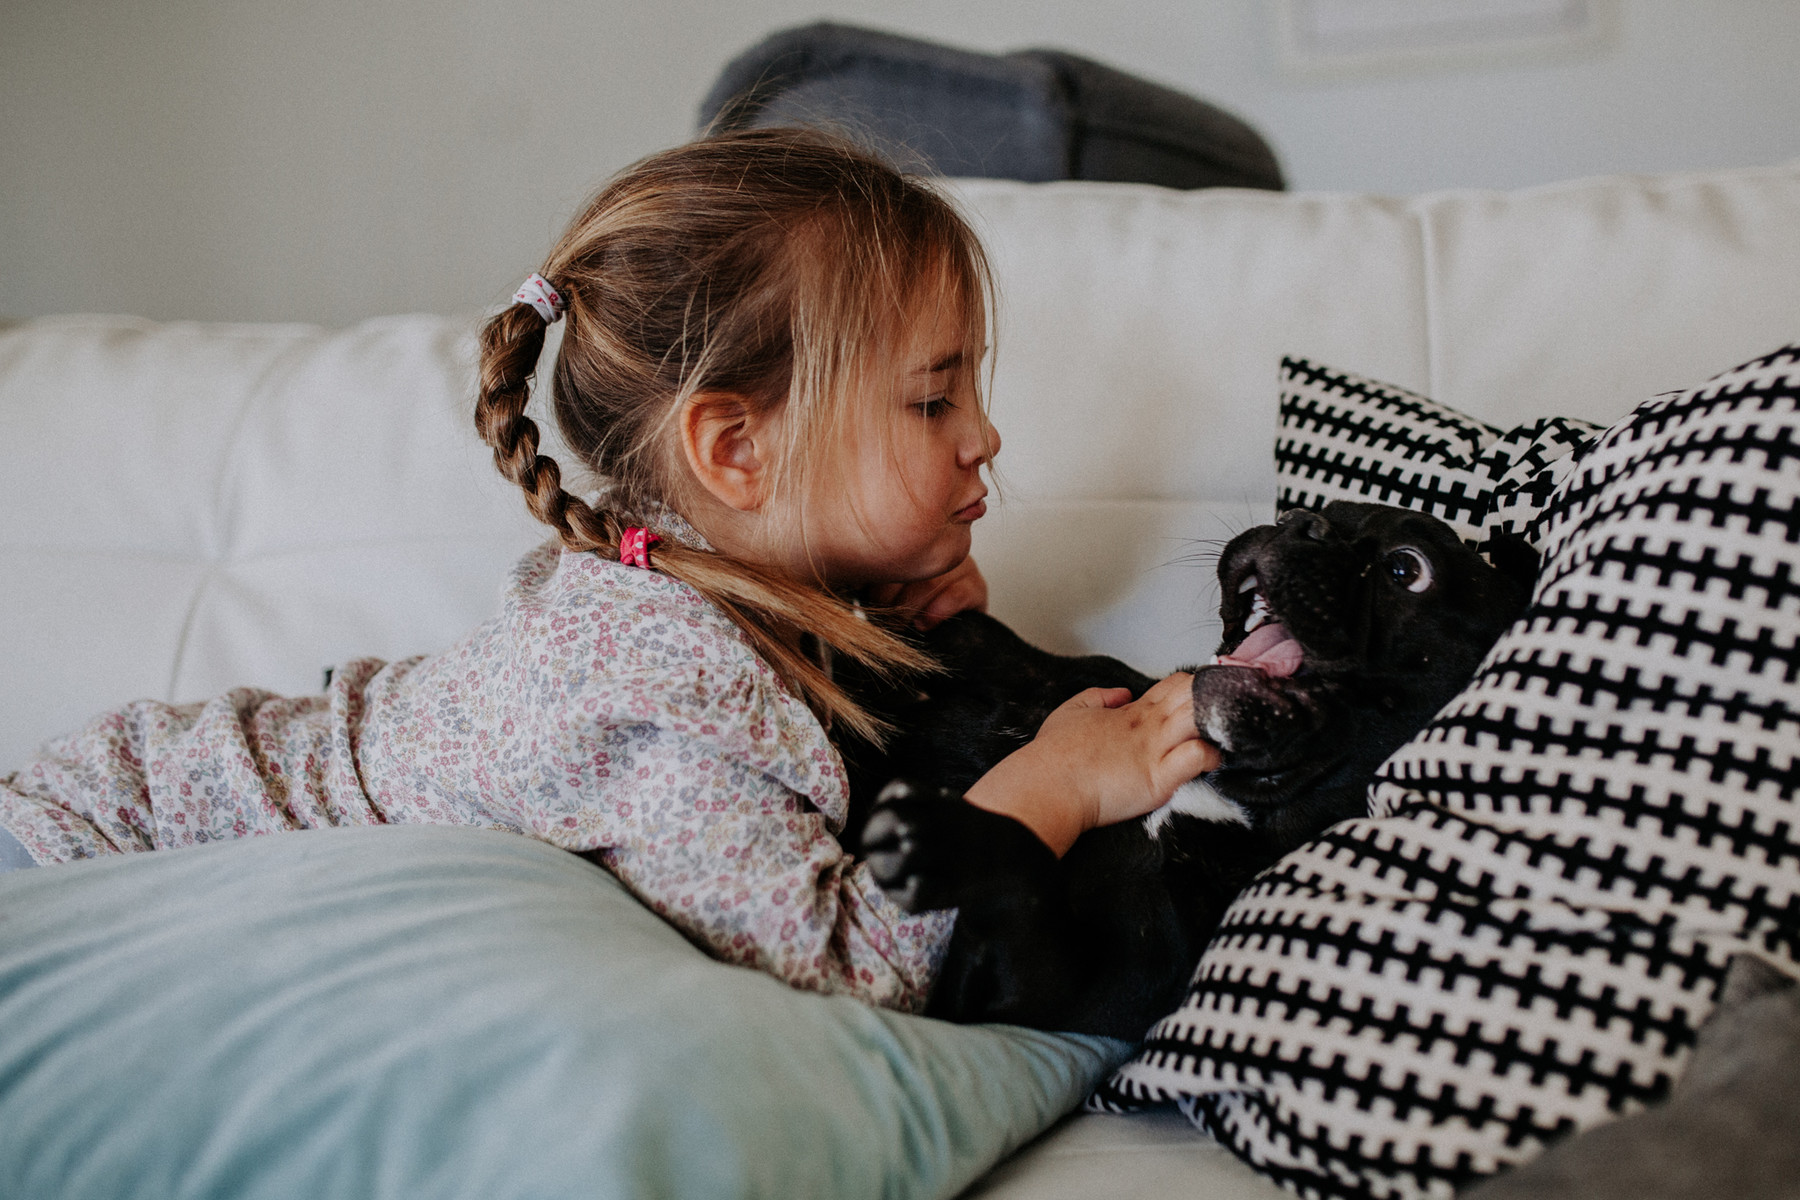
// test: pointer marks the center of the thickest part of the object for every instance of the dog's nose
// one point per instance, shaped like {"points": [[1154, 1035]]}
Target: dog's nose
{"points": [[1309, 525]]}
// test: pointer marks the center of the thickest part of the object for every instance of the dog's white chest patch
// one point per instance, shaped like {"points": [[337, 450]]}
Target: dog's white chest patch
{"points": [[1195, 798]]}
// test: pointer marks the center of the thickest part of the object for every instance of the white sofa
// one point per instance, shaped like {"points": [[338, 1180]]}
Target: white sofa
{"points": [[192, 507]]}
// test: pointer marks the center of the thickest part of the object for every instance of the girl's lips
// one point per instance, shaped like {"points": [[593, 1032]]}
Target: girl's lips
{"points": [[973, 512]]}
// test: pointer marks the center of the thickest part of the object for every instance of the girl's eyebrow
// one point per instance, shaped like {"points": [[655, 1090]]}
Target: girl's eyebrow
{"points": [[950, 361]]}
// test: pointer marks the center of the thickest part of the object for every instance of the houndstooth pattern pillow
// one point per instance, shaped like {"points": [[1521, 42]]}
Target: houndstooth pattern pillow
{"points": [[1344, 437], [1523, 936]]}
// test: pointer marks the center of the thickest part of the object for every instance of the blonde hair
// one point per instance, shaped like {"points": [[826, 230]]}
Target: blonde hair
{"points": [[774, 265]]}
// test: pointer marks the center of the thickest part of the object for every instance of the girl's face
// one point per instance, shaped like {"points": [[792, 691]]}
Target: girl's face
{"points": [[903, 499]]}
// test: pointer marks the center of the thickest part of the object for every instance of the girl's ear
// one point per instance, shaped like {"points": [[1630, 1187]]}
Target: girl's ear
{"points": [[727, 447]]}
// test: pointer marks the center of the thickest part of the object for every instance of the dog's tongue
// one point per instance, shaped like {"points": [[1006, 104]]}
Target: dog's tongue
{"points": [[1270, 648]]}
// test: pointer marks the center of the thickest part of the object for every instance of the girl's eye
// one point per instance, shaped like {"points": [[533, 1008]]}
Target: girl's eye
{"points": [[937, 406], [1410, 569]]}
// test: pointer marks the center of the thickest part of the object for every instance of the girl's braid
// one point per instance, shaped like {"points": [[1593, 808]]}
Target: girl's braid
{"points": [[510, 346]]}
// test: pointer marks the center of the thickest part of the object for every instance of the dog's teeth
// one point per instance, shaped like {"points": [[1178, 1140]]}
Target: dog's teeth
{"points": [[1259, 613], [1249, 585]]}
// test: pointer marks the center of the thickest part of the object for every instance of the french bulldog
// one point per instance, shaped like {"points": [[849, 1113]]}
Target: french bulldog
{"points": [[1346, 630]]}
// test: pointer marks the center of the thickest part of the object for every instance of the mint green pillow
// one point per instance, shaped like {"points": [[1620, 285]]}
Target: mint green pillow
{"points": [[413, 1011]]}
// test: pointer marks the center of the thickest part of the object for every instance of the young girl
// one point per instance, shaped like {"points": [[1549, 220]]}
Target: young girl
{"points": [[770, 361]]}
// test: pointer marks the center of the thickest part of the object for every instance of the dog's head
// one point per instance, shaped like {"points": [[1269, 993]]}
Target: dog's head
{"points": [[1346, 630]]}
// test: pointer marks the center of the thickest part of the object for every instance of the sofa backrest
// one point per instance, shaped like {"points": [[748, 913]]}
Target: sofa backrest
{"points": [[192, 507]]}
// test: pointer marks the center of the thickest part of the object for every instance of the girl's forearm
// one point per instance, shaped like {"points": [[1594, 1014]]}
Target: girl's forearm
{"points": [[1049, 806]]}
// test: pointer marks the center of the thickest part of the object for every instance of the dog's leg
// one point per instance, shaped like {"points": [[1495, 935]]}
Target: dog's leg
{"points": [[1092, 943], [933, 849], [1010, 957]]}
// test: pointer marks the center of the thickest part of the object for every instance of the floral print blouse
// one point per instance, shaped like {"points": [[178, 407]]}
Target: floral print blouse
{"points": [[606, 708]]}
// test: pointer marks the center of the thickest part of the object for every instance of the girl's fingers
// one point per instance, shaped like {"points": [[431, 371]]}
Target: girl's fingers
{"points": [[1095, 697], [1172, 700], [1176, 689], [1168, 699], [1184, 754], [1189, 759], [1088, 698]]}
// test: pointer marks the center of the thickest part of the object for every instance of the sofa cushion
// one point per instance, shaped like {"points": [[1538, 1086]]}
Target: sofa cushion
{"points": [[1344, 437], [1524, 935], [401, 1011]]}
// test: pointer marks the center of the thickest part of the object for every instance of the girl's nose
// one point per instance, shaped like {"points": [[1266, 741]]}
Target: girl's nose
{"points": [[985, 443]]}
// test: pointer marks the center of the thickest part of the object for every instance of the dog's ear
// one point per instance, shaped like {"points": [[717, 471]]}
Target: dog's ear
{"points": [[1514, 558]]}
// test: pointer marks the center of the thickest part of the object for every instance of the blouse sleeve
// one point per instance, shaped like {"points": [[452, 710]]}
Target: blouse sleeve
{"points": [[749, 869]]}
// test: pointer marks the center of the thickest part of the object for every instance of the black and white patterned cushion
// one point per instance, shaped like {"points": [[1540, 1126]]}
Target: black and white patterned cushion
{"points": [[1344, 437], [1523, 936]]}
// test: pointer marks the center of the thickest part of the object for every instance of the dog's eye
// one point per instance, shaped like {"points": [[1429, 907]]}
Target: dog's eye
{"points": [[1410, 569]]}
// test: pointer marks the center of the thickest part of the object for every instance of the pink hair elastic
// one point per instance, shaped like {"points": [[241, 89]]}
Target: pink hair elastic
{"points": [[537, 292], [634, 547]]}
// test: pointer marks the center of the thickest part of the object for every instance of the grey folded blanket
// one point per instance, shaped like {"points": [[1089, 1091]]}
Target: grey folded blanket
{"points": [[1730, 1127]]}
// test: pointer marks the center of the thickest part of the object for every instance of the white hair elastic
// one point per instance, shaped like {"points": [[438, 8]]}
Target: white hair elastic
{"points": [[537, 292]]}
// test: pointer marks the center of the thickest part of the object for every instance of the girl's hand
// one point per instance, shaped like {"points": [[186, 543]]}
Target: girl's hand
{"points": [[1100, 757], [930, 601]]}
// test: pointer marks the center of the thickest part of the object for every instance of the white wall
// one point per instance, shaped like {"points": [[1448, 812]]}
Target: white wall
{"points": [[325, 160]]}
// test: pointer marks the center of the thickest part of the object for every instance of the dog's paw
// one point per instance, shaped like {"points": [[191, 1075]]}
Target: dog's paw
{"points": [[910, 845]]}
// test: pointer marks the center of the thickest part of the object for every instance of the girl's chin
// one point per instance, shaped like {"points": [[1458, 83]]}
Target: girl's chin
{"points": [[944, 554], [952, 550]]}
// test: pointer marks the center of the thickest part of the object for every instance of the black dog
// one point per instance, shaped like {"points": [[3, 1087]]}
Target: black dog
{"points": [[1345, 632]]}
